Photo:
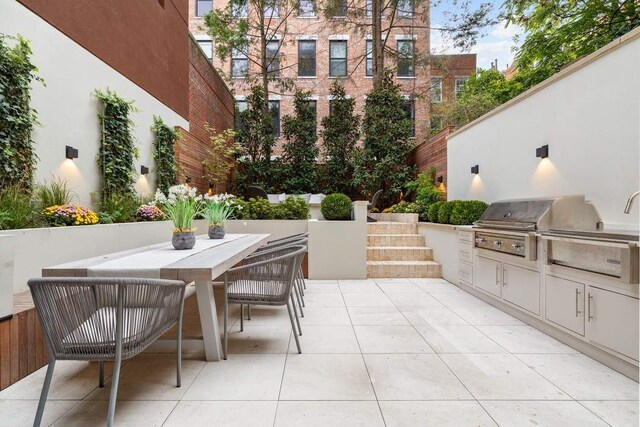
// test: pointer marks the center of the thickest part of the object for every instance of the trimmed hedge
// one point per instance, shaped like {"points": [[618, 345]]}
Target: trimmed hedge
{"points": [[336, 207], [467, 212], [444, 213], [432, 213]]}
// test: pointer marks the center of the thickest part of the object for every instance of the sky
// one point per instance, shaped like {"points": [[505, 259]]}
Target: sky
{"points": [[496, 42]]}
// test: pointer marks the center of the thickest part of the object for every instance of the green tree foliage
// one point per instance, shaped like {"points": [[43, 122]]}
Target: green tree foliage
{"points": [[561, 31], [17, 117], [300, 149], [118, 146], [164, 154], [384, 162], [340, 134]]}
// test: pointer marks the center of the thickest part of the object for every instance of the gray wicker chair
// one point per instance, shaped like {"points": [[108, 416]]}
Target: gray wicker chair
{"points": [[264, 279], [256, 192], [98, 319], [373, 204]]}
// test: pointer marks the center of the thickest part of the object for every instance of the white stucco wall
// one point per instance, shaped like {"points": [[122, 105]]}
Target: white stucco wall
{"points": [[68, 111], [589, 115]]}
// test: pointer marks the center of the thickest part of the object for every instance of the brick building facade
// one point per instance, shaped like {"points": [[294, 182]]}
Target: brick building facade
{"points": [[319, 39]]}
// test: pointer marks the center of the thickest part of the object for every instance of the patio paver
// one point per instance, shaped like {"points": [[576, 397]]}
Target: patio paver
{"points": [[459, 363]]}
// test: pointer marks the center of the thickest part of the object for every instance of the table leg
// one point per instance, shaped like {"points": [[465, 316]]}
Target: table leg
{"points": [[209, 320]]}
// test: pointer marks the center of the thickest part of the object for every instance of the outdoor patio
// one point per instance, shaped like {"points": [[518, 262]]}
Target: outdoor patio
{"points": [[385, 352]]}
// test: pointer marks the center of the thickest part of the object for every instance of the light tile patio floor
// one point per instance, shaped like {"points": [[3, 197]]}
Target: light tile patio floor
{"points": [[399, 352]]}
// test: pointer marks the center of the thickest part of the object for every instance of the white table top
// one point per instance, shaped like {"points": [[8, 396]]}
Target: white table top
{"points": [[208, 259]]}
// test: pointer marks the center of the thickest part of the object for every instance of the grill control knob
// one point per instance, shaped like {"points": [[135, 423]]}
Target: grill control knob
{"points": [[517, 246], [480, 240], [497, 243]]}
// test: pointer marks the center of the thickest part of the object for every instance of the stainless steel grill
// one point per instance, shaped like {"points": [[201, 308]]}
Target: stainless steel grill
{"points": [[510, 226]]}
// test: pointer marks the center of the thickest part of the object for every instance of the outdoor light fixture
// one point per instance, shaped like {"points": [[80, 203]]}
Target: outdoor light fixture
{"points": [[439, 179], [542, 152], [144, 170], [70, 152], [475, 169], [187, 179]]}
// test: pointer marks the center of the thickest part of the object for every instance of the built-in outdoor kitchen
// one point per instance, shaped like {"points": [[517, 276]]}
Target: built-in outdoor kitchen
{"points": [[552, 264]]}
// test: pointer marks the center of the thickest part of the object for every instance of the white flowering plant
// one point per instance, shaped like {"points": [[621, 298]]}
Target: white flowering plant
{"points": [[181, 205]]}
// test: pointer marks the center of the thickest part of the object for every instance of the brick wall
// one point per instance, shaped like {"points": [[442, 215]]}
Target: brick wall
{"points": [[209, 102], [433, 152]]}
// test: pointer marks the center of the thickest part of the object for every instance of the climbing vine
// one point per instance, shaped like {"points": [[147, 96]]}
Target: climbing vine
{"points": [[17, 117], [118, 146], [164, 154]]}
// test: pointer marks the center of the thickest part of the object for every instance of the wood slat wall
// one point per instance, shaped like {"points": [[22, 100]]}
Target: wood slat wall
{"points": [[22, 347]]}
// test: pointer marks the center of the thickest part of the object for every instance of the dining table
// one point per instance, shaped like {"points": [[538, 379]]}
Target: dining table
{"points": [[201, 265]]}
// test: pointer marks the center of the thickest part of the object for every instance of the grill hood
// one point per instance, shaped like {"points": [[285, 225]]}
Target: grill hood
{"points": [[564, 212]]}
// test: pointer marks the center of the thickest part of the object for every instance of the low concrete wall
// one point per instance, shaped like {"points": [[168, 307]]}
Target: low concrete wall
{"points": [[6, 276], [277, 228], [443, 239], [395, 217], [338, 249]]}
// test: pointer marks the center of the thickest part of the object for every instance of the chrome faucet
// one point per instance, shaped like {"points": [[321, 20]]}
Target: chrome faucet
{"points": [[627, 208]]}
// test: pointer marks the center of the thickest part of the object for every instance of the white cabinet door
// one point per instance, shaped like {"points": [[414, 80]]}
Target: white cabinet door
{"points": [[465, 273], [612, 321], [488, 275], [521, 287], [564, 303]]}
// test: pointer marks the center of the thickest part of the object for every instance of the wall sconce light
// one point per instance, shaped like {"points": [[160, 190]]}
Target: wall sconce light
{"points": [[475, 169], [542, 152], [187, 179], [144, 170], [439, 179], [70, 152]]}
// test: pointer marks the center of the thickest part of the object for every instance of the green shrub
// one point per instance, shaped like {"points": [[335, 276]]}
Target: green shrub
{"points": [[466, 212], [444, 213], [18, 210], [432, 213], [57, 192], [292, 208], [117, 208], [336, 207], [257, 209]]}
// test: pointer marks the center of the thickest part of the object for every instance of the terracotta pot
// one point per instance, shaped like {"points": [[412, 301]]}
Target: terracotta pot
{"points": [[216, 231], [183, 240]]}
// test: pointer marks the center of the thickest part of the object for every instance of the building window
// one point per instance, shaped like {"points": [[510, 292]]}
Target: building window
{"points": [[313, 104], [337, 8], [368, 58], [203, 7], [241, 107], [273, 58], [274, 109], [460, 82], [405, 58], [307, 58], [239, 63], [207, 47], [337, 58], [241, 10], [271, 9], [368, 8], [410, 111], [307, 8], [436, 123], [436, 89], [405, 8]]}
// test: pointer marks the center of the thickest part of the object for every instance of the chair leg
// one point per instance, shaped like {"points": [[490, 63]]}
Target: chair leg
{"points": [[45, 391], [293, 327], [241, 317], [114, 385], [101, 375], [179, 348], [300, 303], [295, 312], [249, 312], [226, 321]]}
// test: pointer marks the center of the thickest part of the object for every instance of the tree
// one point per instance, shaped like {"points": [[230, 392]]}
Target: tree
{"points": [[300, 149], [560, 31], [340, 134], [384, 162], [220, 156]]}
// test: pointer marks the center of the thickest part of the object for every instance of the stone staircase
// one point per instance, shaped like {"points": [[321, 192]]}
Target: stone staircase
{"points": [[395, 249]]}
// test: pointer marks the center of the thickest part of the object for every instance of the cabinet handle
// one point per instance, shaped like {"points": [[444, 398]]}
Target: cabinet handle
{"points": [[589, 316], [577, 302], [497, 272], [504, 277]]}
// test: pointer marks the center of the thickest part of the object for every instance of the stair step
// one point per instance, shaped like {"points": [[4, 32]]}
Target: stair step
{"points": [[392, 239], [391, 228], [399, 253], [395, 269]]}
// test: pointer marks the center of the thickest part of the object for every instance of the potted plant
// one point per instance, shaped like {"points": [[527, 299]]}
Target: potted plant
{"points": [[181, 206], [217, 210]]}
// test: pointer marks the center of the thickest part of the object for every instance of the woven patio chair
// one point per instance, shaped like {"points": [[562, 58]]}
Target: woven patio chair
{"points": [[256, 192], [373, 204], [104, 319], [265, 279]]}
